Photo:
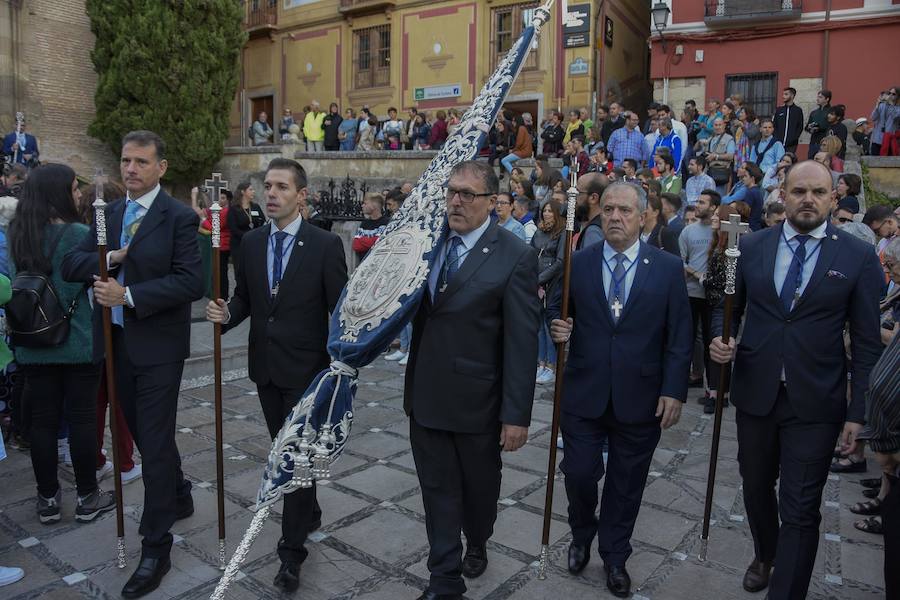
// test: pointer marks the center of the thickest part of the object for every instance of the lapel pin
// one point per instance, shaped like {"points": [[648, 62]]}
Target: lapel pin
{"points": [[646, 261], [834, 236], [300, 243], [485, 250]]}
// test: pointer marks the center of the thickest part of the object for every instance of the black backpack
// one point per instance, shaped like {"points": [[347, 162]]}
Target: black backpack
{"points": [[35, 317]]}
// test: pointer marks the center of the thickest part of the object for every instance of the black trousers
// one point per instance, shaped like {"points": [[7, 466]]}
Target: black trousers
{"points": [[459, 474], [149, 400], [780, 447], [300, 507], [631, 449], [890, 519], [55, 393], [700, 315]]}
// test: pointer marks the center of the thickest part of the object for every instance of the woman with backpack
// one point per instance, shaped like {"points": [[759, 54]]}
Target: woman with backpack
{"points": [[60, 379]]}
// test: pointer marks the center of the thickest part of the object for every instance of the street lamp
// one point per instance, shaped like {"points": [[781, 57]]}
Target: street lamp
{"points": [[660, 12]]}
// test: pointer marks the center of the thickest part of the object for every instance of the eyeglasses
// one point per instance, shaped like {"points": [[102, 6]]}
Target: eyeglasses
{"points": [[465, 196], [503, 202]]}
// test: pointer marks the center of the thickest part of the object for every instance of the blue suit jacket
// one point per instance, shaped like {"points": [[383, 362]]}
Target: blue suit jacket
{"points": [[31, 146], [647, 354], [164, 272], [808, 342]]}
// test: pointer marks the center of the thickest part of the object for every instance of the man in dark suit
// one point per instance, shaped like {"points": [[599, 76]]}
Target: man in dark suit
{"points": [[470, 379], [289, 280], [625, 378], [798, 284], [156, 273]]}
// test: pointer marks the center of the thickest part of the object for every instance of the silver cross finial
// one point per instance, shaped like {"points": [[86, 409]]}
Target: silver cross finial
{"points": [[735, 229], [214, 186]]}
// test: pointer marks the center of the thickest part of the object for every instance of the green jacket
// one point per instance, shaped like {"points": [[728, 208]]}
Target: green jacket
{"points": [[6, 356], [78, 347]]}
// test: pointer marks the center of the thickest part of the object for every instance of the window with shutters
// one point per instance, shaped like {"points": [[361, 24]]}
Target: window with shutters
{"points": [[507, 24], [372, 57], [760, 91]]}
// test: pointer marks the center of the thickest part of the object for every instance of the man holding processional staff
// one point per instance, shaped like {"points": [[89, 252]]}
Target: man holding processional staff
{"points": [[155, 274]]}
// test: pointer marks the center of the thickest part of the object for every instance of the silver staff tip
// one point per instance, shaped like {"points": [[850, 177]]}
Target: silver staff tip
{"points": [[704, 548], [542, 563], [120, 553]]}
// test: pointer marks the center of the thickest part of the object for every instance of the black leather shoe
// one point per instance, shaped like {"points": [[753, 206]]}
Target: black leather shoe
{"points": [[315, 526], [185, 508], [618, 581], [288, 578], [756, 579], [579, 556], [474, 562], [146, 577], [429, 595]]}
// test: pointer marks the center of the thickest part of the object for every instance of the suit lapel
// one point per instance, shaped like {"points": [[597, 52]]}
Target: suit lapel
{"points": [[474, 259], [114, 225], [641, 271], [827, 253], [257, 265], [597, 267], [297, 256], [154, 217], [770, 251]]}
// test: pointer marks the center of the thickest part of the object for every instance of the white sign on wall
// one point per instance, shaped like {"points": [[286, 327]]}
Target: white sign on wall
{"points": [[433, 92]]}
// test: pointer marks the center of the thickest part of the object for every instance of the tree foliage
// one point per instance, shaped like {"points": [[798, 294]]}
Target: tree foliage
{"points": [[170, 66]]}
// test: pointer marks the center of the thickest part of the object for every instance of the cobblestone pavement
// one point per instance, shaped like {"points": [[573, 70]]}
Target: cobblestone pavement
{"points": [[372, 543]]}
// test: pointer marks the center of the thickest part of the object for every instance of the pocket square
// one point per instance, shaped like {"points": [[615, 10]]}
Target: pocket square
{"points": [[835, 274]]}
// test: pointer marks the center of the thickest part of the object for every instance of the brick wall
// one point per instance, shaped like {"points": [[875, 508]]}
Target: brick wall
{"points": [[58, 82]]}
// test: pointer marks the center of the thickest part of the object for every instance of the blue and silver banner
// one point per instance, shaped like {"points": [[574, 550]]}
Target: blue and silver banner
{"points": [[383, 294]]}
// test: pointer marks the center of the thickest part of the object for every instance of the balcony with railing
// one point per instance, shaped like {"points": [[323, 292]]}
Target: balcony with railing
{"points": [[355, 8], [748, 12], [260, 16]]}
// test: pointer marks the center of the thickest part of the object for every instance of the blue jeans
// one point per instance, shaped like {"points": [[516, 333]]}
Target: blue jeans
{"points": [[405, 338], [546, 348], [508, 161]]}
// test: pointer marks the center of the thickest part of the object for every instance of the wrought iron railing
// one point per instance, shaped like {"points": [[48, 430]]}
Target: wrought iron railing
{"points": [[260, 13], [343, 201]]}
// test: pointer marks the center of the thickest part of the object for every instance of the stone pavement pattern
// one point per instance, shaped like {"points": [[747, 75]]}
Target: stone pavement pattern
{"points": [[372, 544]]}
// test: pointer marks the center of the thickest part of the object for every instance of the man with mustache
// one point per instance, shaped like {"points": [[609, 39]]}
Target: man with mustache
{"points": [[626, 378], [798, 284], [288, 281], [470, 380]]}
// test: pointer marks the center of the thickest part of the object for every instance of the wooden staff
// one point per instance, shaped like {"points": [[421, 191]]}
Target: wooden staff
{"points": [[100, 221], [734, 228], [560, 368], [214, 186]]}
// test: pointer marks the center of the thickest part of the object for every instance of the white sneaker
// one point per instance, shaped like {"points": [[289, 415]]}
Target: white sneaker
{"points": [[545, 377], [397, 355], [135, 473], [10, 575], [104, 471], [559, 442], [402, 362]]}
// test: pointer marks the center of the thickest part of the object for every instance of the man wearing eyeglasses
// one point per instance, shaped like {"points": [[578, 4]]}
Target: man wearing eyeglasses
{"points": [[470, 379], [841, 216]]}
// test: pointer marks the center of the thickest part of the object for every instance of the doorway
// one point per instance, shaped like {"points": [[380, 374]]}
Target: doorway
{"points": [[262, 104]]}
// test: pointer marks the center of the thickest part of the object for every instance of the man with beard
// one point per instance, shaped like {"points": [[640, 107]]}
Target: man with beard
{"points": [[626, 378], [470, 384], [798, 284]]}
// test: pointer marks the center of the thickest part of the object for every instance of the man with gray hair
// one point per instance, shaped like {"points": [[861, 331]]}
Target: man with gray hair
{"points": [[626, 378], [669, 139], [470, 384]]}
